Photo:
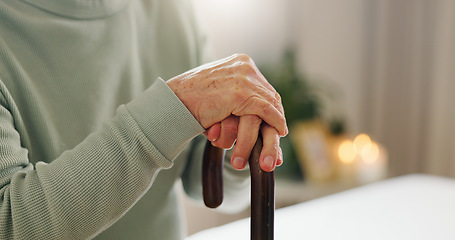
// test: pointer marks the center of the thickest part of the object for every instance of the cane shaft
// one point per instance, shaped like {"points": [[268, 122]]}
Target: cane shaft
{"points": [[262, 189]]}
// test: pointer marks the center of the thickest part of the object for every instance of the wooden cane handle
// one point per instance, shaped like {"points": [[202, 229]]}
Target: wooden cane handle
{"points": [[262, 189], [212, 175]]}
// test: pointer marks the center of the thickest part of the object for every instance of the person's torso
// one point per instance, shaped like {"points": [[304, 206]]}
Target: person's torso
{"points": [[67, 71]]}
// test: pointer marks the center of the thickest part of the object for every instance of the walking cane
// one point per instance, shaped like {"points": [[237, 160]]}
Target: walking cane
{"points": [[262, 189]]}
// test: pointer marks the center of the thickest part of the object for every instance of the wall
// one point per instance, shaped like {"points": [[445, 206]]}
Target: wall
{"points": [[259, 28], [391, 60], [394, 62]]}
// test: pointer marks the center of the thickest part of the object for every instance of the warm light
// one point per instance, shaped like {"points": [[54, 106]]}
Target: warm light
{"points": [[362, 144], [346, 151], [372, 155]]}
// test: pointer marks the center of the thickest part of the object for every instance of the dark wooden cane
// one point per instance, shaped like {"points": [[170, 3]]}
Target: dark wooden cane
{"points": [[262, 189]]}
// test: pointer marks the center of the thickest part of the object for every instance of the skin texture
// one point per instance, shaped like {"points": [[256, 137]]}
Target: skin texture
{"points": [[233, 101]]}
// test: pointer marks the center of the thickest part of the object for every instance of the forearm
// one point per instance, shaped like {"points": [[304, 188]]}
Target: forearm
{"points": [[88, 188]]}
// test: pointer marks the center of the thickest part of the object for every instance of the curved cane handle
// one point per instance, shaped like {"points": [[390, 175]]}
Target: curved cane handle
{"points": [[212, 175], [262, 189]]}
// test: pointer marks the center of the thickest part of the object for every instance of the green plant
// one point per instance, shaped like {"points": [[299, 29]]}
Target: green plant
{"points": [[302, 100], [299, 100]]}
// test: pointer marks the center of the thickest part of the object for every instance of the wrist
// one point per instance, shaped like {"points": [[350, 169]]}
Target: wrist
{"points": [[186, 94]]}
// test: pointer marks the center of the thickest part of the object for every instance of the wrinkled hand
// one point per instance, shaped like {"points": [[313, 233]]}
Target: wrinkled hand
{"points": [[224, 135], [231, 95]]}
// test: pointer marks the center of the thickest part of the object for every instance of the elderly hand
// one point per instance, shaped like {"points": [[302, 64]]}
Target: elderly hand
{"points": [[232, 99], [224, 135]]}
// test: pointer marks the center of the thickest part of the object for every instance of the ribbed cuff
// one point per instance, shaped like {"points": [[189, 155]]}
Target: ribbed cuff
{"points": [[164, 119]]}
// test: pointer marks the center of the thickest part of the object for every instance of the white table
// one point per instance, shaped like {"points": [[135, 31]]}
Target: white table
{"points": [[409, 207]]}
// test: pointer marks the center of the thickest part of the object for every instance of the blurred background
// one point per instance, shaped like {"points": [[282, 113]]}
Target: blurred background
{"points": [[367, 87]]}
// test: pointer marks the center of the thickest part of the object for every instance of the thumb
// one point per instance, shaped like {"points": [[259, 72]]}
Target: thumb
{"points": [[213, 132]]}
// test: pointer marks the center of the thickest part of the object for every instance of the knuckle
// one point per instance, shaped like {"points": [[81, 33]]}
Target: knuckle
{"points": [[242, 56], [239, 94], [244, 68], [267, 109], [278, 96], [276, 149], [241, 79]]}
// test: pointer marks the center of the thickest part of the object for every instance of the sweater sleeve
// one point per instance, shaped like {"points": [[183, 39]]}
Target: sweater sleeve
{"points": [[88, 188]]}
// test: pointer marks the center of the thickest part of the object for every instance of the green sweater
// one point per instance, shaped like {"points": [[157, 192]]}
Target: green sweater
{"points": [[91, 143]]}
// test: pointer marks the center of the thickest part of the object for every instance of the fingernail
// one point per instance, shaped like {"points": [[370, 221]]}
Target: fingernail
{"points": [[279, 162], [238, 163], [269, 162]]}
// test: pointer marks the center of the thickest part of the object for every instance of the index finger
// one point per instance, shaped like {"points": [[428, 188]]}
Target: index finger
{"points": [[246, 138], [266, 112]]}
